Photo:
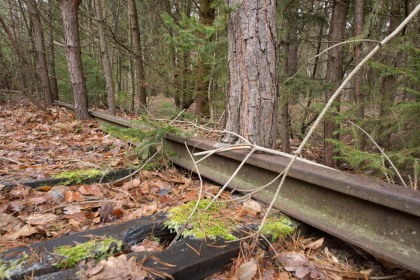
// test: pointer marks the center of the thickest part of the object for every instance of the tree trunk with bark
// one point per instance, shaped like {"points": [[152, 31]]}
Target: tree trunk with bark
{"points": [[53, 75], [358, 93], [334, 72], [206, 16], [251, 103], [70, 14], [138, 55], [389, 82], [40, 49], [291, 59], [105, 58]]}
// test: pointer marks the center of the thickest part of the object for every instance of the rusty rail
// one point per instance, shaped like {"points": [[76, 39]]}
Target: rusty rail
{"points": [[381, 218]]}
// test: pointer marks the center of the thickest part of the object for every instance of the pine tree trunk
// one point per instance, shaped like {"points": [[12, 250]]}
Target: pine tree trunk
{"points": [[70, 13], [334, 72], [40, 49], [105, 58], [291, 59], [358, 93], [53, 75], [251, 103], [206, 15], [138, 56], [389, 82]]}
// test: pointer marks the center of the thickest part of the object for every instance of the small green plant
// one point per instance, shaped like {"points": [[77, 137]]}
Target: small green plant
{"points": [[78, 176], [209, 223], [95, 249], [277, 227], [7, 267]]}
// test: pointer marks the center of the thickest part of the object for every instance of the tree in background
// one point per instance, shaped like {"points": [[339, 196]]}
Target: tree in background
{"points": [[251, 103], [138, 56], [334, 72], [40, 49], [105, 58], [70, 13]]}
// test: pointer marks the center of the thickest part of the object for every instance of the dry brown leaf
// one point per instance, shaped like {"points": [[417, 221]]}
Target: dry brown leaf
{"points": [[150, 209], [316, 244], [71, 196], [284, 276], [24, 231], [94, 189], [247, 270], [300, 265], [40, 219], [72, 209], [8, 223], [118, 268], [57, 193], [252, 205]]}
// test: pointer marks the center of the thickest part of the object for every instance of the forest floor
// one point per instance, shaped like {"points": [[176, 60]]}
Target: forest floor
{"points": [[34, 145]]}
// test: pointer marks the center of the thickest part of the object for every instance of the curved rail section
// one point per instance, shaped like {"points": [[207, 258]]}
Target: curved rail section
{"points": [[381, 218]]}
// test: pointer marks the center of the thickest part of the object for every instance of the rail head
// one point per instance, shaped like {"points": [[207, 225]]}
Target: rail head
{"points": [[396, 196]]}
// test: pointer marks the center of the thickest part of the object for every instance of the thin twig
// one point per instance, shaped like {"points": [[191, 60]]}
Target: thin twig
{"points": [[382, 152], [196, 204], [324, 51], [231, 177], [110, 163], [11, 160]]}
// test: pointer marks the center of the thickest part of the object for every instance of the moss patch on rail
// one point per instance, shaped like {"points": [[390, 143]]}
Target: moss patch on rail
{"points": [[78, 176], [277, 227], [7, 267], [94, 249], [209, 223]]}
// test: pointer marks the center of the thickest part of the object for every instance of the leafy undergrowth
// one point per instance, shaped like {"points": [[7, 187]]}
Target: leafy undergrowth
{"points": [[35, 145]]}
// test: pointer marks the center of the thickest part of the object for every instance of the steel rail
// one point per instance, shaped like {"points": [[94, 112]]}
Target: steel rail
{"points": [[381, 218]]}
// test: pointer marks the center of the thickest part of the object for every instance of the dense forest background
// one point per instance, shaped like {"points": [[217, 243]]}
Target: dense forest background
{"points": [[172, 55]]}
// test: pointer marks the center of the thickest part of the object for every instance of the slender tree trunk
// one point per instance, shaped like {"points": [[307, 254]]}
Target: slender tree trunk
{"points": [[358, 93], [138, 56], [206, 15], [251, 103], [40, 49], [70, 13], [105, 58], [334, 72], [291, 59], [389, 82], [53, 75]]}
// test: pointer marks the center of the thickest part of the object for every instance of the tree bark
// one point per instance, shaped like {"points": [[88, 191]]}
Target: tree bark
{"points": [[291, 59], [251, 103], [70, 14], [40, 49], [358, 93], [206, 16], [389, 82], [105, 58], [334, 72], [53, 75], [138, 55]]}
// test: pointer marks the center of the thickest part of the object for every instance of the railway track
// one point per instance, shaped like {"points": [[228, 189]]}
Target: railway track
{"points": [[380, 218]]}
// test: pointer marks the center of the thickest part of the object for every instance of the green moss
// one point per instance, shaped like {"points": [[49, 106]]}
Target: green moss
{"points": [[209, 223], [78, 176], [94, 249], [277, 227], [7, 267]]}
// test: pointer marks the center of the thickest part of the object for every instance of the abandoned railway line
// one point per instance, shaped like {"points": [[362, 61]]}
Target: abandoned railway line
{"points": [[380, 218]]}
